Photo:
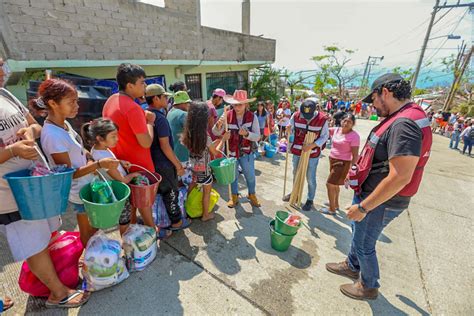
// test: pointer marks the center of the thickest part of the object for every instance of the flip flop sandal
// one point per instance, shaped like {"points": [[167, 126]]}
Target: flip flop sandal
{"points": [[164, 234], [64, 303], [4, 306], [326, 211], [186, 223]]}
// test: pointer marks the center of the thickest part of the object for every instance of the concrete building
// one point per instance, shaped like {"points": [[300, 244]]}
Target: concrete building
{"points": [[91, 37]]}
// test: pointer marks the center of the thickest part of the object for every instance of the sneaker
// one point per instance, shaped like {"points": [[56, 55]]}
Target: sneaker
{"points": [[307, 206], [286, 198]]}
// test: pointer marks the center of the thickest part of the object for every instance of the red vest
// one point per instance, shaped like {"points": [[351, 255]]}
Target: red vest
{"points": [[302, 126], [238, 145], [359, 173]]}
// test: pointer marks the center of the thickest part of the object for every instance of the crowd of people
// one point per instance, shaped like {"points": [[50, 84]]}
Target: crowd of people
{"points": [[145, 126], [454, 126]]}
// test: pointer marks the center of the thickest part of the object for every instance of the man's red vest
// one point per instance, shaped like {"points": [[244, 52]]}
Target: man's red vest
{"points": [[302, 126], [238, 145], [359, 173]]}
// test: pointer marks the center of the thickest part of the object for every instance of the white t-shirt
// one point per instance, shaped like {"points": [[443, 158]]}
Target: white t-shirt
{"points": [[55, 140], [12, 118], [107, 153], [286, 120]]}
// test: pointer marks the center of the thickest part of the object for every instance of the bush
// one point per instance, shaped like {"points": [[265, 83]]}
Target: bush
{"points": [[466, 109]]}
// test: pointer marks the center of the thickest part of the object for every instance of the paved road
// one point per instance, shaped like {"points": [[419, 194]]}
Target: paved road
{"points": [[228, 267]]}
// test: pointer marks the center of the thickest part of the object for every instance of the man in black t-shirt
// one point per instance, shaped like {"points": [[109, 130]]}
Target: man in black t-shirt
{"points": [[396, 156], [338, 117]]}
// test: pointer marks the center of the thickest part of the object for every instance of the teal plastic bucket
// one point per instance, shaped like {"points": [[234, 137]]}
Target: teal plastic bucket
{"points": [[270, 152], [273, 139], [283, 228], [224, 174], [279, 242], [40, 197]]}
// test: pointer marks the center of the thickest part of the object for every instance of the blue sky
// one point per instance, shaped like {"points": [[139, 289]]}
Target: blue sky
{"points": [[391, 28], [394, 29]]}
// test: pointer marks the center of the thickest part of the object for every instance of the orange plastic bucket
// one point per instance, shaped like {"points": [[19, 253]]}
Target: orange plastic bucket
{"points": [[143, 196]]}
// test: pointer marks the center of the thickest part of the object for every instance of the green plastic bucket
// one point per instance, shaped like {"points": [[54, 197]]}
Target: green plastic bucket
{"points": [[283, 228], [280, 242], [105, 215], [224, 174]]}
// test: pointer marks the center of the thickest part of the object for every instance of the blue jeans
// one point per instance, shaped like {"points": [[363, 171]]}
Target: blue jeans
{"points": [[455, 138], [362, 256], [247, 162], [310, 174], [467, 144]]}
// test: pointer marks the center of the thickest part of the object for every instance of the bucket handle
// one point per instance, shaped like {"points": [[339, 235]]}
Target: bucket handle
{"points": [[145, 169], [42, 157], [114, 198], [223, 153]]}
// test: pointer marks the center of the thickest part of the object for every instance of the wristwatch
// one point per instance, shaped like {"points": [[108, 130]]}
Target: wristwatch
{"points": [[361, 209]]}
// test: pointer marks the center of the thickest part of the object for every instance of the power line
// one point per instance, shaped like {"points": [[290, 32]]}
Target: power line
{"points": [[446, 39]]}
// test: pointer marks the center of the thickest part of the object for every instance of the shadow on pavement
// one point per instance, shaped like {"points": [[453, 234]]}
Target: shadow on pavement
{"points": [[412, 304]]}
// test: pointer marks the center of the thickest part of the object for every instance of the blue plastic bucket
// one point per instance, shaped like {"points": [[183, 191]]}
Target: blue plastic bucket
{"points": [[273, 139], [40, 197], [270, 152]]}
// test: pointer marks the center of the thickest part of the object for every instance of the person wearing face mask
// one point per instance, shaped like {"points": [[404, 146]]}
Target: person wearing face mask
{"points": [[385, 177], [308, 119]]}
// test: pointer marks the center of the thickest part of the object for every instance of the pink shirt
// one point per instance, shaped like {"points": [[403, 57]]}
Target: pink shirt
{"points": [[342, 143]]}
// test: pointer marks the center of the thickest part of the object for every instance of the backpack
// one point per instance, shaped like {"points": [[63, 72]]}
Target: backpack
{"points": [[471, 133]]}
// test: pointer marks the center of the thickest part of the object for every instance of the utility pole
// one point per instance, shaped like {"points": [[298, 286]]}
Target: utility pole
{"points": [[436, 8], [371, 61], [459, 69], [423, 48]]}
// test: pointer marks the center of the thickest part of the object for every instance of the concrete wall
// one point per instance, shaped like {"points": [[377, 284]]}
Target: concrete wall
{"points": [[119, 29]]}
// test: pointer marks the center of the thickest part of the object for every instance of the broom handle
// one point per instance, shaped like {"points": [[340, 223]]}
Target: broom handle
{"points": [[286, 163], [226, 128]]}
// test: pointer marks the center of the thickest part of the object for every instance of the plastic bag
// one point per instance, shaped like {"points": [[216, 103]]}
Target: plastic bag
{"points": [[39, 169], [293, 220], [182, 196], [162, 219], [100, 191], [103, 267], [194, 202], [65, 249], [139, 243], [226, 162], [140, 180]]}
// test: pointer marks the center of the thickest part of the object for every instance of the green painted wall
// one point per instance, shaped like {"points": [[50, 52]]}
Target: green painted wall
{"points": [[169, 72]]}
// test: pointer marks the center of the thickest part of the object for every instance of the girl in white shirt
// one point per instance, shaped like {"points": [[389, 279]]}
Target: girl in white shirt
{"points": [[63, 146], [100, 135]]}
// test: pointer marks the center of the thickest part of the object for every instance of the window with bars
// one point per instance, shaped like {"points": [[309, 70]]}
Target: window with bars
{"points": [[229, 81], [193, 82]]}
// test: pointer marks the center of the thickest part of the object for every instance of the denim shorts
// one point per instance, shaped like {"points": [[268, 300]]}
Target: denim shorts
{"points": [[76, 208]]}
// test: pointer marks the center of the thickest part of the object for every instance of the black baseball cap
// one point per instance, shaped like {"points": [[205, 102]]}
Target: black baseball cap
{"points": [[307, 109], [383, 79]]}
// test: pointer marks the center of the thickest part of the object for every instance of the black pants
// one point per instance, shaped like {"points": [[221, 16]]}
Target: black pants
{"points": [[168, 189]]}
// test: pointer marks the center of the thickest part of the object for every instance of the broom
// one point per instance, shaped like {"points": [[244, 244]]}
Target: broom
{"points": [[296, 194]]}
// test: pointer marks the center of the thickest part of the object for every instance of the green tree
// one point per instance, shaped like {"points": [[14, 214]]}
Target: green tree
{"points": [[266, 83], [333, 69]]}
